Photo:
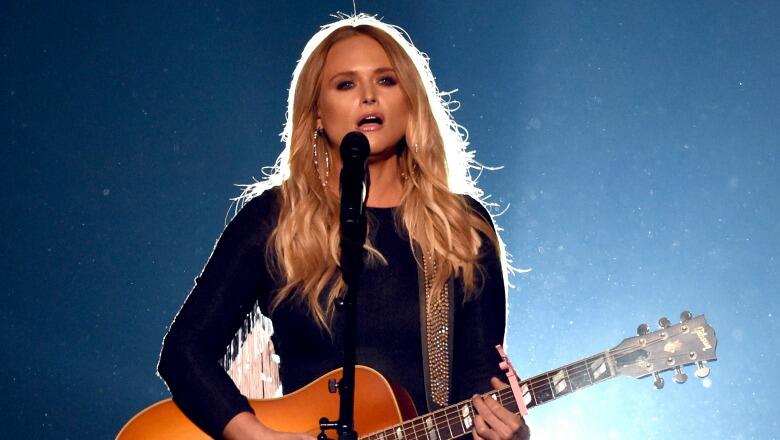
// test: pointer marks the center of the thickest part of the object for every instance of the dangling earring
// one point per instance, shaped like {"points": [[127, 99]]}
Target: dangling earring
{"points": [[317, 132], [413, 171]]}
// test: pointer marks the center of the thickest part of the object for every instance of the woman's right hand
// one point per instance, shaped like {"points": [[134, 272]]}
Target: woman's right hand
{"points": [[276, 435], [245, 426]]}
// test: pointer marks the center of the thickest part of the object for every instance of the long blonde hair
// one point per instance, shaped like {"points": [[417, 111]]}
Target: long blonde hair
{"points": [[437, 219]]}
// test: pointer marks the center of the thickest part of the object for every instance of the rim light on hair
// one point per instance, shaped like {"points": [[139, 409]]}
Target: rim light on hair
{"points": [[430, 212]]}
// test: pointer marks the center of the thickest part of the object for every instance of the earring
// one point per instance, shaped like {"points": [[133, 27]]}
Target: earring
{"points": [[316, 133], [416, 148]]}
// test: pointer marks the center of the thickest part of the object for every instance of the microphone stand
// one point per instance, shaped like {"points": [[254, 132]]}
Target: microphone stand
{"points": [[353, 236]]}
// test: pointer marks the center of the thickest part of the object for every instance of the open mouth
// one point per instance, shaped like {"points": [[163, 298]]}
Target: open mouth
{"points": [[370, 121]]}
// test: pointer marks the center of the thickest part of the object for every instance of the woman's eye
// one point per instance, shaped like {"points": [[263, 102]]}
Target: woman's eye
{"points": [[387, 80], [343, 85]]}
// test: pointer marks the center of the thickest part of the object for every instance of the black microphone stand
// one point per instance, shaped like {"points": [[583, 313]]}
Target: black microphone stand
{"points": [[353, 236]]}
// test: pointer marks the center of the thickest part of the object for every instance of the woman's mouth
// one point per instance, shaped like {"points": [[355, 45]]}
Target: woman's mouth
{"points": [[370, 122]]}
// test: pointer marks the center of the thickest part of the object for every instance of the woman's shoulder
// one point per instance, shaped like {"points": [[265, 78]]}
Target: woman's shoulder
{"points": [[478, 207], [262, 200], [261, 208]]}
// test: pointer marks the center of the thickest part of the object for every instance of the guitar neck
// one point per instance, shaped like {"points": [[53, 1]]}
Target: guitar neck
{"points": [[456, 420]]}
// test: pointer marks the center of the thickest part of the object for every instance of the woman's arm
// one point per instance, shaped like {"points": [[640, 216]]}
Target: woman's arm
{"points": [[223, 294], [480, 324]]}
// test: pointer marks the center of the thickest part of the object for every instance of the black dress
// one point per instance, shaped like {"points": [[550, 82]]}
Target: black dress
{"points": [[236, 277]]}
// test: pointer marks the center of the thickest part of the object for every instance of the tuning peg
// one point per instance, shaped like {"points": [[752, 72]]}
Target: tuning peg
{"points": [[664, 322], [679, 376], [642, 330], [703, 370], [686, 316], [659, 381]]}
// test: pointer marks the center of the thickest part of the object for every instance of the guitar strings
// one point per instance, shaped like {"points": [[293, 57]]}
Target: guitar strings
{"points": [[506, 396], [544, 380], [452, 412], [416, 426], [436, 417], [581, 365]]}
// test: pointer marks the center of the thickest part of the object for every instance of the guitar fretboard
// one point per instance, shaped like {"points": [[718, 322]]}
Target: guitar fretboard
{"points": [[456, 420]]}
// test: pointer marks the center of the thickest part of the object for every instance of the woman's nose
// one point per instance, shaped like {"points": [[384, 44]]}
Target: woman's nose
{"points": [[369, 95]]}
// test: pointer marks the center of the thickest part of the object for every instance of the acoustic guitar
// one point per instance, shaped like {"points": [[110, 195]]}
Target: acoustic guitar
{"points": [[384, 411]]}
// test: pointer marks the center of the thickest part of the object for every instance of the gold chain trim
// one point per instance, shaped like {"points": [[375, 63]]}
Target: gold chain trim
{"points": [[437, 334]]}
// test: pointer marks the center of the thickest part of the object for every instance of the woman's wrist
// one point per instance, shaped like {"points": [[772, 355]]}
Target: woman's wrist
{"points": [[244, 426]]}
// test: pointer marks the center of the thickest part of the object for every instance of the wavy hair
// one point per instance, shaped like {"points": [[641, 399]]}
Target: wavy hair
{"points": [[438, 220]]}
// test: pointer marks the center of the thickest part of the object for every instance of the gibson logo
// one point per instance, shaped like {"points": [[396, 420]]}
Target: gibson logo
{"points": [[702, 334]]}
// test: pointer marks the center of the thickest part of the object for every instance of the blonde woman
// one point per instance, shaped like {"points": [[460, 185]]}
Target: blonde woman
{"points": [[432, 296]]}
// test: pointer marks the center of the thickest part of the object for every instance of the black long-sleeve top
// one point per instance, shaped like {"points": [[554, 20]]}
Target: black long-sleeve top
{"points": [[236, 277]]}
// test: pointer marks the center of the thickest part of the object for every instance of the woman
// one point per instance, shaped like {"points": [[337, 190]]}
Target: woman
{"points": [[433, 260]]}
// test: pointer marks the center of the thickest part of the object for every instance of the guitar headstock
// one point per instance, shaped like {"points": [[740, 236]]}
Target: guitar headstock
{"points": [[691, 341]]}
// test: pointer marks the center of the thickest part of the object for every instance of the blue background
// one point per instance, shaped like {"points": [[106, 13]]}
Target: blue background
{"points": [[639, 141]]}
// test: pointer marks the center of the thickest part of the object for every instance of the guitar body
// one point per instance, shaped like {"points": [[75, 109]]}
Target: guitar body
{"points": [[378, 405]]}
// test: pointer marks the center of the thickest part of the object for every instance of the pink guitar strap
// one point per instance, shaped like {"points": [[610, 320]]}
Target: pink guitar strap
{"points": [[511, 375]]}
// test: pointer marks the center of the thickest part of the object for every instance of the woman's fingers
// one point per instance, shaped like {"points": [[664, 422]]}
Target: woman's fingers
{"points": [[482, 431], [494, 422], [498, 383], [498, 418]]}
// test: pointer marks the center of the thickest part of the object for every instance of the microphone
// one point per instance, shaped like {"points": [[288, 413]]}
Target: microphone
{"points": [[354, 151]]}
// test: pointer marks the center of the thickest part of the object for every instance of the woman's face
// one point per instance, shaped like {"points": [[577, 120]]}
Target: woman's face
{"points": [[360, 91]]}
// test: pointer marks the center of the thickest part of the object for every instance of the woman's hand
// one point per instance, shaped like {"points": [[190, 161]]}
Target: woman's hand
{"points": [[494, 422], [245, 426]]}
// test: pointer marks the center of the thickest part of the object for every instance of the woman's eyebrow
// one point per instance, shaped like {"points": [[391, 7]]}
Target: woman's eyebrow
{"points": [[352, 72]]}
